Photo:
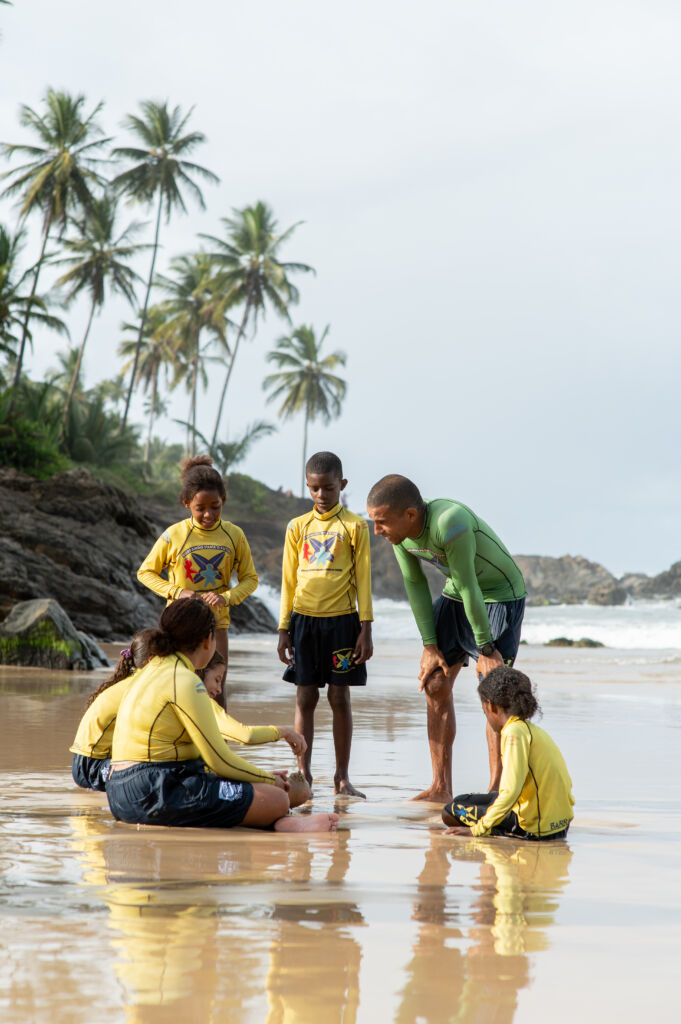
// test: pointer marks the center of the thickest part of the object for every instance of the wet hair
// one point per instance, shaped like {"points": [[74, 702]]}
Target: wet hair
{"points": [[198, 475], [397, 492], [324, 462], [131, 658], [183, 625], [214, 662], [510, 690]]}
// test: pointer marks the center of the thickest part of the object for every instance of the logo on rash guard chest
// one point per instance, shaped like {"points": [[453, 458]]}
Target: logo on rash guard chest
{"points": [[204, 568], [343, 660], [320, 553]]}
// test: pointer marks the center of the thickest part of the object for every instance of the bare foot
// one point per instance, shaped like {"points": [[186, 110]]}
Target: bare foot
{"points": [[299, 791], [308, 823], [434, 795], [344, 787]]}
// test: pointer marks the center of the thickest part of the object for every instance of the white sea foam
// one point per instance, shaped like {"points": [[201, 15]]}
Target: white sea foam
{"points": [[637, 625]]}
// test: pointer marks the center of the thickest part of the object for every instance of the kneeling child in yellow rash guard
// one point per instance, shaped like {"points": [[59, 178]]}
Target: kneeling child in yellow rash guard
{"points": [[535, 798]]}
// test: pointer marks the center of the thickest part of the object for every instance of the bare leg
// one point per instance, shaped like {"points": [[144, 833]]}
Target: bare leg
{"points": [[441, 733], [341, 708], [494, 750], [270, 807], [222, 647], [307, 698]]}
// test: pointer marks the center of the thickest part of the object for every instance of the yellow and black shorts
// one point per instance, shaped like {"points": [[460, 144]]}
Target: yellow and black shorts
{"points": [[323, 651]]}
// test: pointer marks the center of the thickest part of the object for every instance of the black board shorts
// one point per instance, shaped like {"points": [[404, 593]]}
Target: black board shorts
{"points": [[455, 636], [90, 772], [470, 807], [323, 651], [182, 794]]}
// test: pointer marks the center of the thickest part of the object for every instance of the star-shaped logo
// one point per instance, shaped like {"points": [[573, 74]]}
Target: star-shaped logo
{"points": [[209, 572]]}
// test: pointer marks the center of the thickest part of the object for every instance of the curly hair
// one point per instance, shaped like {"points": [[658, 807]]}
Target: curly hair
{"points": [[214, 662], [510, 690], [198, 475]]}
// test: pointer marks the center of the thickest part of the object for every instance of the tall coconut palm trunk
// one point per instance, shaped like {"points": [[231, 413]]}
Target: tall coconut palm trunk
{"points": [[76, 370], [152, 411], [133, 375], [240, 333], [27, 316]]}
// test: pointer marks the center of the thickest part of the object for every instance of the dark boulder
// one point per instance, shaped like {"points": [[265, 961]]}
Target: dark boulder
{"points": [[40, 633]]}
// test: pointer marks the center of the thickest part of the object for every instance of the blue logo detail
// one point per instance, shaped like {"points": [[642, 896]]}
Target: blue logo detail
{"points": [[455, 531], [209, 572], [322, 551], [230, 790]]}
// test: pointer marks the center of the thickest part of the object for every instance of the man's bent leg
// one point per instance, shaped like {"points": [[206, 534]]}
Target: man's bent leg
{"points": [[341, 708], [441, 732]]}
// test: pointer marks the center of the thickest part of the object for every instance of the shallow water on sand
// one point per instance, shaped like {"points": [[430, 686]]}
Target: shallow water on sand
{"points": [[388, 920]]}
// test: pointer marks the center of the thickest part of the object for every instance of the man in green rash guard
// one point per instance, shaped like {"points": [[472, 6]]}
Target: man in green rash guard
{"points": [[479, 614]]}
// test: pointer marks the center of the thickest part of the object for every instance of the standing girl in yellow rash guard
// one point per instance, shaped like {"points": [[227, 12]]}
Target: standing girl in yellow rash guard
{"points": [[92, 746], [169, 763], [199, 554], [535, 799]]}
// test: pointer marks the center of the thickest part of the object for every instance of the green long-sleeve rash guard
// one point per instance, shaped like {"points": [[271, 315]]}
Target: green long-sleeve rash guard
{"points": [[468, 552]]}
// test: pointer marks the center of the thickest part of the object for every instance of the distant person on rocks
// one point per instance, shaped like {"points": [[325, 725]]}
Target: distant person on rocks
{"points": [[479, 614], [169, 763], [534, 800], [199, 554], [326, 611]]}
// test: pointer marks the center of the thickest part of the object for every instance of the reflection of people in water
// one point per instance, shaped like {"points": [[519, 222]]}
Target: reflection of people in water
{"points": [[534, 801], [314, 971], [473, 975], [187, 945]]}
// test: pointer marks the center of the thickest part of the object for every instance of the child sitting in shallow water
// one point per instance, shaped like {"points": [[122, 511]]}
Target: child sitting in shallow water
{"points": [[535, 799], [92, 746]]}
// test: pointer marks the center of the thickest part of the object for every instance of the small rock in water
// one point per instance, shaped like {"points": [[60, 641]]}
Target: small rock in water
{"points": [[563, 641]]}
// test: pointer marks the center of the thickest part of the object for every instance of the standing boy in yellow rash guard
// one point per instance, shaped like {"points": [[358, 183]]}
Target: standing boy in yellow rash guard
{"points": [[326, 575], [169, 763], [535, 799], [199, 555]]}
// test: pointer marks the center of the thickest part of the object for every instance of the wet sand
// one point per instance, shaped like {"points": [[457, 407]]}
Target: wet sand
{"points": [[388, 920]]}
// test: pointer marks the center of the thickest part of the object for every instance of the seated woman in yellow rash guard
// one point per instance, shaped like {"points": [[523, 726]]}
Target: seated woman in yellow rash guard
{"points": [[535, 799], [91, 748], [169, 763]]}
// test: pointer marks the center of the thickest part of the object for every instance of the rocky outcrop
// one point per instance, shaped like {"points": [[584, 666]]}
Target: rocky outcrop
{"points": [[80, 541], [41, 634], [566, 580]]}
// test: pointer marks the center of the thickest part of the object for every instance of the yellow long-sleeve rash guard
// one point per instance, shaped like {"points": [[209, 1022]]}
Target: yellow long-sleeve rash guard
{"points": [[534, 782], [201, 560], [167, 715], [326, 567], [96, 728]]}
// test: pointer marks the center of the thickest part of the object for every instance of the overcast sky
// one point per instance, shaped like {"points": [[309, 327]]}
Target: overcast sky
{"points": [[490, 196]]}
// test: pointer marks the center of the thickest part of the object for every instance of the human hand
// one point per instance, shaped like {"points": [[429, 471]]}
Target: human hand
{"points": [[432, 659], [485, 665], [280, 779], [295, 741], [458, 830], [285, 647], [187, 593], [214, 600], [364, 647]]}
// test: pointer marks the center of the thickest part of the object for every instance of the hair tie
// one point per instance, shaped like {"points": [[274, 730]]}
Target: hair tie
{"points": [[126, 653]]}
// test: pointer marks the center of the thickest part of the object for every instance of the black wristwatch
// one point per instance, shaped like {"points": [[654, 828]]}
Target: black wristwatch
{"points": [[487, 650]]}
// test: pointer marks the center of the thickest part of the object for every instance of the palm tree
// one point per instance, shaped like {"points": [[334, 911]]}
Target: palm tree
{"points": [[305, 381], [157, 354], [59, 176], [194, 305], [99, 256], [160, 173], [14, 303], [251, 272], [227, 454]]}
